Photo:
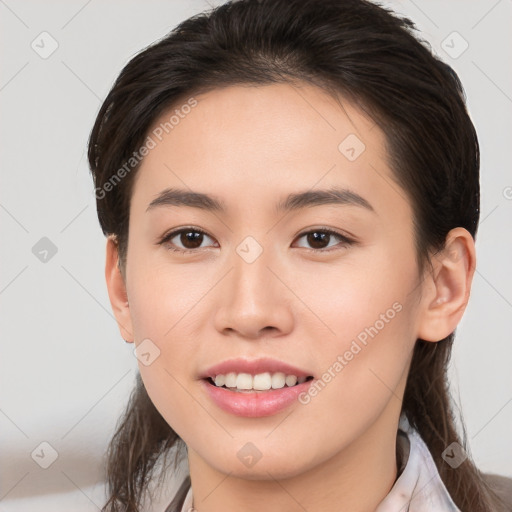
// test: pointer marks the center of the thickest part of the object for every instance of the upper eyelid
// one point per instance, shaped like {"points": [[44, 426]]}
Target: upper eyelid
{"points": [[345, 238], [173, 232]]}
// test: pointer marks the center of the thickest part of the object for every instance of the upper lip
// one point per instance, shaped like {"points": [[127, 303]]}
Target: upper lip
{"points": [[253, 367]]}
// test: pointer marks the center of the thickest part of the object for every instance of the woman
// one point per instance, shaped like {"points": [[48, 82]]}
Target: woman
{"points": [[290, 193]]}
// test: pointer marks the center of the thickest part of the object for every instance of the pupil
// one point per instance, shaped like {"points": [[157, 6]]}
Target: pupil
{"points": [[317, 240], [191, 237]]}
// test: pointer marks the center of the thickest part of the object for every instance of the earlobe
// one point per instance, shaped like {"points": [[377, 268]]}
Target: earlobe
{"points": [[448, 286], [117, 290]]}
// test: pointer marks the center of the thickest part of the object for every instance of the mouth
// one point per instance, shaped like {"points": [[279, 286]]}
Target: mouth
{"points": [[254, 388], [238, 399], [258, 383]]}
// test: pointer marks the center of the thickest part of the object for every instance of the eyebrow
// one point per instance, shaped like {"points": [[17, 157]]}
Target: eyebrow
{"points": [[294, 201]]}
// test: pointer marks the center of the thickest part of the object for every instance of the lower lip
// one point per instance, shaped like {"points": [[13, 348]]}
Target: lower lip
{"points": [[255, 404]]}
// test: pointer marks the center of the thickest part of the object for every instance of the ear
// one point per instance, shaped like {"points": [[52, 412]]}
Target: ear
{"points": [[446, 289], [117, 290]]}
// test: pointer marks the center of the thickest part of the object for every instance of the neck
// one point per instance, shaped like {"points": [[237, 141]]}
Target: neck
{"points": [[356, 479]]}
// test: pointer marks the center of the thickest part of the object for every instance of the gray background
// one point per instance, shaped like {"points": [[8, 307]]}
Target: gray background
{"points": [[65, 372]]}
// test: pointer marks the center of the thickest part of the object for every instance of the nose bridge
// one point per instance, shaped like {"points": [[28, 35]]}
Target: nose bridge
{"points": [[252, 285], [251, 273], [253, 298]]}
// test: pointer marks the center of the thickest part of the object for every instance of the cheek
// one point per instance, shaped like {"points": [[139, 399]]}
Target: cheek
{"points": [[364, 369], [164, 309], [161, 312], [163, 297], [158, 317], [367, 318], [356, 298]]}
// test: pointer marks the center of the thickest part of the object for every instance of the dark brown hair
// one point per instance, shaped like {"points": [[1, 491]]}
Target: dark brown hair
{"points": [[353, 49]]}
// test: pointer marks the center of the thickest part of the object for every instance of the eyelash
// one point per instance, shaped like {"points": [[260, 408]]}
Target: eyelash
{"points": [[345, 241]]}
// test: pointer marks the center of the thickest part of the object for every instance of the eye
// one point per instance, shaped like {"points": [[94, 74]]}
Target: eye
{"points": [[190, 239], [320, 239]]}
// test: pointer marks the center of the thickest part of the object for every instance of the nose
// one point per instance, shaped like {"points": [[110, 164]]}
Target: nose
{"points": [[254, 300]]}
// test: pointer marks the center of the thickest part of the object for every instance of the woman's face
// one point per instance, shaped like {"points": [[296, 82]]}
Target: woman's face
{"points": [[266, 281]]}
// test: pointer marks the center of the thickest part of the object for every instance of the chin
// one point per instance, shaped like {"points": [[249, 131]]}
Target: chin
{"points": [[266, 468]]}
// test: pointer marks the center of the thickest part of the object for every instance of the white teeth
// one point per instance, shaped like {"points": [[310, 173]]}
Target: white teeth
{"points": [[278, 380], [220, 380], [259, 382], [291, 380], [262, 381], [244, 381], [230, 381]]}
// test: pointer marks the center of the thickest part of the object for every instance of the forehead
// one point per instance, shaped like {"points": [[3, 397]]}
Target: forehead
{"points": [[246, 142]]}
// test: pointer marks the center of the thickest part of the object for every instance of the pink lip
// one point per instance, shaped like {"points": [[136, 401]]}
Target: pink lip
{"points": [[254, 404], [253, 367]]}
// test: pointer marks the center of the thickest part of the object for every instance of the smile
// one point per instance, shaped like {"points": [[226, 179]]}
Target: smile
{"points": [[245, 382], [254, 403]]}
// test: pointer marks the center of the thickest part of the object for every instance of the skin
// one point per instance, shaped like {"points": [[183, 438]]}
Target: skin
{"points": [[250, 147]]}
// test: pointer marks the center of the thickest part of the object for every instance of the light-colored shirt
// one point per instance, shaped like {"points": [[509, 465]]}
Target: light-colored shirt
{"points": [[419, 487]]}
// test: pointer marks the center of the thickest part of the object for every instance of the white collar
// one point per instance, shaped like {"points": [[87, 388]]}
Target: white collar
{"points": [[419, 487]]}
